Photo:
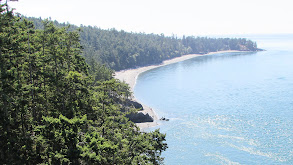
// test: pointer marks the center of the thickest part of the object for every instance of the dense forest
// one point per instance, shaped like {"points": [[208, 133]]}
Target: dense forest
{"points": [[59, 102], [56, 109], [120, 50]]}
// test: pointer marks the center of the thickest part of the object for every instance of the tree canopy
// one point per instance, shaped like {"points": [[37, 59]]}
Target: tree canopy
{"points": [[55, 109], [59, 102], [120, 50]]}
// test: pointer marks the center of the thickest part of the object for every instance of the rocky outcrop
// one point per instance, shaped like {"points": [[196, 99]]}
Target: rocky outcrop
{"points": [[164, 119], [131, 103], [136, 105], [137, 117], [140, 117]]}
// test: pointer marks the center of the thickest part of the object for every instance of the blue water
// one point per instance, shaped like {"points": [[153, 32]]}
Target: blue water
{"points": [[227, 108]]}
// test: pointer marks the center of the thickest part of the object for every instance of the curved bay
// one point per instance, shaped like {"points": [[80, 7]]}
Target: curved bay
{"points": [[230, 108]]}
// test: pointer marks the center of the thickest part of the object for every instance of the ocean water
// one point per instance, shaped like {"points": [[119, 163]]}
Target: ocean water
{"points": [[227, 108]]}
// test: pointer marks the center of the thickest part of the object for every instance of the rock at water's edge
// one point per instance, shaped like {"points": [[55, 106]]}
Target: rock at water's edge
{"points": [[140, 117]]}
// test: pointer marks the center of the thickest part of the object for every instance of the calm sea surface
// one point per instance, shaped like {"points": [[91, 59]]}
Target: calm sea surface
{"points": [[229, 108]]}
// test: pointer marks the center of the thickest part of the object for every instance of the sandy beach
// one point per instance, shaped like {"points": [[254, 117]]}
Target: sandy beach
{"points": [[129, 76]]}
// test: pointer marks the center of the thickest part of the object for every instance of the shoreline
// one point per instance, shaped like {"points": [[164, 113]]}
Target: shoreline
{"points": [[129, 76]]}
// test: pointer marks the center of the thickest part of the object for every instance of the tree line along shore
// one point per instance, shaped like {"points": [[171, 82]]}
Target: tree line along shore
{"points": [[59, 101], [120, 50]]}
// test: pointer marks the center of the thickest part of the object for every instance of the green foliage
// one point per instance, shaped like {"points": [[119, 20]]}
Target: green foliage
{"points": [[60, 136], [55, 109], [122, 50]]}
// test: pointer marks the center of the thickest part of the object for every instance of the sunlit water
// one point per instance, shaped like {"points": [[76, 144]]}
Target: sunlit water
{"points": [[231, 108]]}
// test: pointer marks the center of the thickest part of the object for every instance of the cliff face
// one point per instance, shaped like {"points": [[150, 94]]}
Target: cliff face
{"points": [[135, 104], [137, 117], [140, 117]]}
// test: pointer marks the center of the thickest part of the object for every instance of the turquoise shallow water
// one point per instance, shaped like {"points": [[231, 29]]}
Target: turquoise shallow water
{"points": [[229, 108]]}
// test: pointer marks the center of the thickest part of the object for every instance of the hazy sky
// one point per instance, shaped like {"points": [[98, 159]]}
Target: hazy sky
{"points": [[190, 17]]}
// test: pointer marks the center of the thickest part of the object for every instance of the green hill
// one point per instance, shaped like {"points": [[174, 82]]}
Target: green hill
{"points": [[120, 50]]}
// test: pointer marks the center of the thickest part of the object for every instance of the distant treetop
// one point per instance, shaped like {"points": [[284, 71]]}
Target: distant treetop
{"points": [[120, 50]]}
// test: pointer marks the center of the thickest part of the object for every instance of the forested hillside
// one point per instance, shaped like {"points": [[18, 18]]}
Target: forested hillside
{"points": [[123, 50], [55, 109]]}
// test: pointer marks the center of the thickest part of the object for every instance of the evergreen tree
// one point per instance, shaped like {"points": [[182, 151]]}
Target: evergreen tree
{"points": [[55, 109], [122, 50]]}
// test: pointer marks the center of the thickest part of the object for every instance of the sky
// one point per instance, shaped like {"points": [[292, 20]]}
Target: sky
{"points": [[178, 17]]}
